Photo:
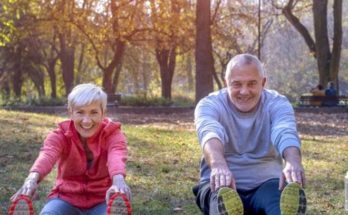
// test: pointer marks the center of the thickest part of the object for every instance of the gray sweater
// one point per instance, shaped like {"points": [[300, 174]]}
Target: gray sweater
{"points": [[254, 142]]}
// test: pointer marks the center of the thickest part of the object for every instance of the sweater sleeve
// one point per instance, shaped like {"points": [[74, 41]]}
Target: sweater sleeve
{"points": [[49, 154], [283, 131], [117, 153], [207, 122]]}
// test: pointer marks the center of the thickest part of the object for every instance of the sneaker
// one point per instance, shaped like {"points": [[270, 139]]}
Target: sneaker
{"points": [[21, 206], [293, 200], [229, 202], [119, 205]]}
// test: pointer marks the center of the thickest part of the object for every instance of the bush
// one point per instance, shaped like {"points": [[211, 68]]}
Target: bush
{"points": [[44, 101], [144, 101]]}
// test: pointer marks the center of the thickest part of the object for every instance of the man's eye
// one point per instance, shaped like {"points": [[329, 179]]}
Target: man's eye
{"points": [[236, 84]]}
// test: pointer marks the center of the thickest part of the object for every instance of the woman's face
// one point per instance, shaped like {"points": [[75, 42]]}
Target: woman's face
{"points": [[87, 118]]}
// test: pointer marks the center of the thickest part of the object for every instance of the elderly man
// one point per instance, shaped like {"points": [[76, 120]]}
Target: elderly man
{"points": [[246, 132]]}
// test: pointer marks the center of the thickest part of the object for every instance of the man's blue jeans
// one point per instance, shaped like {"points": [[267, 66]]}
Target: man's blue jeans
{"points": [[263, 200], [58, 206]]}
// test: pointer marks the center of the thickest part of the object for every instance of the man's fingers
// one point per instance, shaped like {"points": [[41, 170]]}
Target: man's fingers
{"points": [[233, 184], [228, 181], [295, 177], [217, 181], [223, 180], [288, 177]]}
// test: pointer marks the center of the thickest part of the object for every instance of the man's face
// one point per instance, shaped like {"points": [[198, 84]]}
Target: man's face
{"points": [[87, 119], [245, 86]]}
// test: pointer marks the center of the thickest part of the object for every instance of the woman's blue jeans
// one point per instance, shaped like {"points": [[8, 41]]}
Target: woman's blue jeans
{"points": [[58, 206]]}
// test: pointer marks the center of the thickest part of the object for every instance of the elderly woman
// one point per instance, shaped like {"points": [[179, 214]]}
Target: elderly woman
{"points": [[91, 153]]}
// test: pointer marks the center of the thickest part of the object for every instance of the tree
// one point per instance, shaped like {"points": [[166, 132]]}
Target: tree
{"points": [[171, 36], [203, 53], [235, 31], [328, 61]]}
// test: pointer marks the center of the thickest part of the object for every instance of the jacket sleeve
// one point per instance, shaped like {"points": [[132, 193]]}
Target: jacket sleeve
{"points": [[117, 153], [49, 154]]}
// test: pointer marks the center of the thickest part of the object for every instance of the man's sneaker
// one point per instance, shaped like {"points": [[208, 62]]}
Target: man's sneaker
{"points": [[21, 206], [119, 205], [229, 202], [293, 200]]}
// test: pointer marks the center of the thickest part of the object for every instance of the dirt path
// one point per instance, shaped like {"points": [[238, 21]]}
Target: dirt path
{"points": [[313, 124]]}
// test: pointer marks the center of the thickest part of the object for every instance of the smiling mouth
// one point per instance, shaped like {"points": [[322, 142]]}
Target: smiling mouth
{"points": [[243, 100], [87, 127]]}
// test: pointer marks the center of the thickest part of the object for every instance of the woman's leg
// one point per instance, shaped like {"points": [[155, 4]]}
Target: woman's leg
{"points": [[99, 209], [59, 207]]}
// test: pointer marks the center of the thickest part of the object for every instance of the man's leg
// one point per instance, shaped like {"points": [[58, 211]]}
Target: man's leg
{"points": [[266, 198], [225, 201], [203, 194], [59, 207]]}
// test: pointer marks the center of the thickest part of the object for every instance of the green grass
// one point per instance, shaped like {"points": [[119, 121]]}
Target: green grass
{"points": [[163, 165]]}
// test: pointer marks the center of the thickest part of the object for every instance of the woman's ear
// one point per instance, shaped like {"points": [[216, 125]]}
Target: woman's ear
{"points": [[69, 112]]}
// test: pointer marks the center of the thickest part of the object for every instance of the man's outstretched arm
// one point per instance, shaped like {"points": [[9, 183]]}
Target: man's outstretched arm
{"points": [[220, 176], [293, 170]]}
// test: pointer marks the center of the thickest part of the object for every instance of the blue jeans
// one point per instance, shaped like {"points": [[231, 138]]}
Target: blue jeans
{"points": [[58, 206], [263, 200]]}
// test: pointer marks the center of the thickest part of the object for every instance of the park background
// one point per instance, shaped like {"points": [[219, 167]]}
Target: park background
{"points": [[169, 53]]}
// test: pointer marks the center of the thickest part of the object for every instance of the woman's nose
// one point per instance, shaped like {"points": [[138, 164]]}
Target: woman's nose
{"points": [[86, 118]]}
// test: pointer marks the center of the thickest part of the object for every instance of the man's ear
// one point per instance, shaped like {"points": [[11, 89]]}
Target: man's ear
{"points": [[264, 81]]}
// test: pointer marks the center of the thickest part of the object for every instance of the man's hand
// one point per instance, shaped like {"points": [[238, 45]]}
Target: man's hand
{"points": [[221, 176], [118, 186], [293, 170], [29, 187]]}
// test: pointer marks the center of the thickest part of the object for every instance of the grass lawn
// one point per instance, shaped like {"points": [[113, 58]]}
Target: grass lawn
{"points": [[163, 165]]}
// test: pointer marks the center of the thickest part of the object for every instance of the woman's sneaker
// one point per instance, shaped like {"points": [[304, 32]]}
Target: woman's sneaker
{"points": [[119, 205], [21, 206], [293, 200], [229, 202]]}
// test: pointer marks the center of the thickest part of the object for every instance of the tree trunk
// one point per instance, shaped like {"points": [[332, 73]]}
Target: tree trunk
{"points": [[116, 76], [337, 43], [146, 72], [52, 75], [189, 72], [17, 77], [327, 61], [321, 38], [67, 58], [166, 60], [108, 72], [203, 53]]}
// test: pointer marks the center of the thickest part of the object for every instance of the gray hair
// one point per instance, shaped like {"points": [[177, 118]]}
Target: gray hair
{"points": [[242, 60], [85, 94]]}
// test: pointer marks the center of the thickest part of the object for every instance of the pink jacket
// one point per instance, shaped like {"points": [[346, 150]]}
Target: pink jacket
{"points": [[75, 183]]}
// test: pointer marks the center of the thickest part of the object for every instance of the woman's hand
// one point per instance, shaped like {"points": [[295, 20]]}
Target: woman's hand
{"points": [[29, 187], [118, 186]]}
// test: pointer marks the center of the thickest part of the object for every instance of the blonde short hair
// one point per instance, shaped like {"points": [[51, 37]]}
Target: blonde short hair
{"points": [[242, 60], [85, 94]]}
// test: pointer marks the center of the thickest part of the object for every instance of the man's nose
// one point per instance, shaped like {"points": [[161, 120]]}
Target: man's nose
{"points": [[244, 90]]}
